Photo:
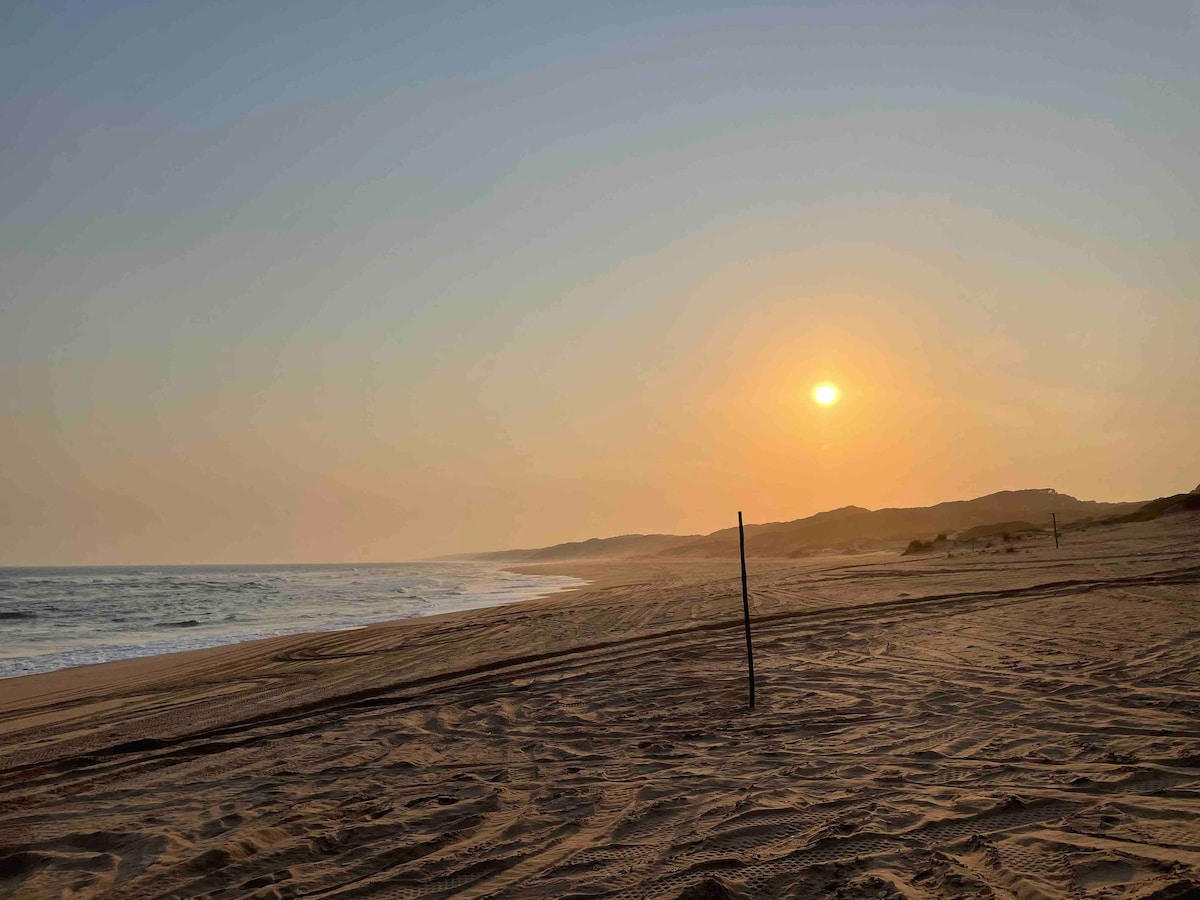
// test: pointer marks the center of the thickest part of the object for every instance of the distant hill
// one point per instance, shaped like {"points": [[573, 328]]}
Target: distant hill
{"points": [[853, 526], [620, 547], [845, 528]]}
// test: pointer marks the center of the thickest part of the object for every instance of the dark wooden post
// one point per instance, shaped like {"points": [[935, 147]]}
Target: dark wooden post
{"points": [[1054, 522], [746, 607]]}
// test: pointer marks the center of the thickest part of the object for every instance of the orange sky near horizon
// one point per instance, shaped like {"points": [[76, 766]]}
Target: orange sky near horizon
{"points": [[667, 441]]}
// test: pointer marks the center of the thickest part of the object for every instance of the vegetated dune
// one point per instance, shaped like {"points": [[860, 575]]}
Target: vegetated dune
{"points": [[987, 531], [989, 725], [1163, 506]]}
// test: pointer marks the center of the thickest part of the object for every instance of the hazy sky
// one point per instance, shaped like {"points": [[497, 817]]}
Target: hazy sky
{"points": [[290, 281]]}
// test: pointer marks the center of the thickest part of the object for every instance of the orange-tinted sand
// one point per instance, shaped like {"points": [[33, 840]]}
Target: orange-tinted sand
{"points": [[1001, 725]]}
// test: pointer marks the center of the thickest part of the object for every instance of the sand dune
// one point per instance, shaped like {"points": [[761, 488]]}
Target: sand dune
{"points": [[1018, 724]]}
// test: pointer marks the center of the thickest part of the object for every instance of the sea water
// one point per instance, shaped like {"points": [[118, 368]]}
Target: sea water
{"points": [[53, 618]]}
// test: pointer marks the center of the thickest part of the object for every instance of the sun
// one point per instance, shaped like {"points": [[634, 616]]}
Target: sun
{"points": [[825, 394]]}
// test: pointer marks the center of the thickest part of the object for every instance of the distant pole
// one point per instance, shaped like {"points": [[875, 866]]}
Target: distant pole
{"points": [[972, 545], [746, 607], [1054, 522]]}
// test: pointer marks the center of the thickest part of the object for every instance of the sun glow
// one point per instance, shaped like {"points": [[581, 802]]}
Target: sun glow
{"points": [[825, 394]]}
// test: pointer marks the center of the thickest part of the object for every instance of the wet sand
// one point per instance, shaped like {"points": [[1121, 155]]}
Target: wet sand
{"points": [[1020, 724]]}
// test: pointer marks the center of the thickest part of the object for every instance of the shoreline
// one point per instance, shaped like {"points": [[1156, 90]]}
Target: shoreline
{"points": [[166, 673], [195, 636]]}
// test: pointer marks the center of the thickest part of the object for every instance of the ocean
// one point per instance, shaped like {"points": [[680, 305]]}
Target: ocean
{"points": [[55, 618]]}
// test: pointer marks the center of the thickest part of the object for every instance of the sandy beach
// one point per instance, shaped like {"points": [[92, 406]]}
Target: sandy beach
{"points": [[1003, 724]]}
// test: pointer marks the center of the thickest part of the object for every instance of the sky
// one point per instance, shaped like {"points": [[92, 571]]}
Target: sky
{"points": [[310, 281]]}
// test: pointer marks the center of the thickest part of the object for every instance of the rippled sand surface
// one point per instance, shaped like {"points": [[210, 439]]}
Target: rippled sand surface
{"points": [[1021, 724]]}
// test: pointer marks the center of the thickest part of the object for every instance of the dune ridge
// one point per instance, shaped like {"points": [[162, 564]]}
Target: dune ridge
{"points": [[844, 528]]}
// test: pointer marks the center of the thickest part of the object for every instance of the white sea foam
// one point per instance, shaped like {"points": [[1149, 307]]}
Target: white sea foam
{"points": [[57, 618]]}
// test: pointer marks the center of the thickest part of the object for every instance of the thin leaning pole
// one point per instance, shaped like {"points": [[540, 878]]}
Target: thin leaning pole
{"points": [[746, 607], [1054, 520]]}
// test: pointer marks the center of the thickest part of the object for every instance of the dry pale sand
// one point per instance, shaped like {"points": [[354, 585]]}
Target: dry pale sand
{"points": [[1002, 725]]}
